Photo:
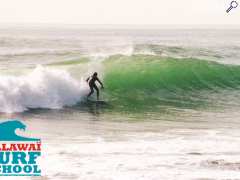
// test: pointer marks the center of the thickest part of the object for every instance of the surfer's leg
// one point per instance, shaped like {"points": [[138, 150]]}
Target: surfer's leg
{"points": [[91, 92], [96, 88]]}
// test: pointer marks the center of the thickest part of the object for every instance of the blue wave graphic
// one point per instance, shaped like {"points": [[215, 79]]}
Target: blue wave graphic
{"points": [[8, 131]]}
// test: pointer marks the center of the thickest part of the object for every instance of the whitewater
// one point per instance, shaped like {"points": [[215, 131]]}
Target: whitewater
{"points": [[42, 88]]}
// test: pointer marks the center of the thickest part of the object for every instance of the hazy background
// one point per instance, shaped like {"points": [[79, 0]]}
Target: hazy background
{"points": [[118, 12]]}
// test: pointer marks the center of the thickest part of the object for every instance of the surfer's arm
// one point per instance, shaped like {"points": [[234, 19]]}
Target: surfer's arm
{"points": [[87, 79]]}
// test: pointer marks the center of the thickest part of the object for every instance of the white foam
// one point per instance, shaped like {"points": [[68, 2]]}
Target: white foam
{"points": [[174, 154], [42, 88]]}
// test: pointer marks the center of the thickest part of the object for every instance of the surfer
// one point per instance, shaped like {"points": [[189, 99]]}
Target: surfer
{"points": [[91, 81]]}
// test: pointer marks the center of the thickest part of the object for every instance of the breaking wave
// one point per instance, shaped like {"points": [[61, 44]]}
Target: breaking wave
{"points": [[42, 88], [131, 82]]}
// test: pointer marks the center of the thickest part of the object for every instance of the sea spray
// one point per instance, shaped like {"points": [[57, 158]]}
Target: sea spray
{"points": [[42, 88]]}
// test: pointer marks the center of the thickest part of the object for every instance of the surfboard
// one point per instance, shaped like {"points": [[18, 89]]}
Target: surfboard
{"points": [[97, 102]]}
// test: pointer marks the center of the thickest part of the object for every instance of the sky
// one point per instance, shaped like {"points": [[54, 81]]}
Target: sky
{"points": [[136, 12]]}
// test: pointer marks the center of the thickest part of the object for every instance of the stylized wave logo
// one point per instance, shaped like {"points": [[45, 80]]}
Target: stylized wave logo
{"points": [[8, 131]]}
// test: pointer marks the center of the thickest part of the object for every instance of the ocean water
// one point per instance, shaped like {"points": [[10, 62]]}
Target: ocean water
{"points": [[171, 97]]}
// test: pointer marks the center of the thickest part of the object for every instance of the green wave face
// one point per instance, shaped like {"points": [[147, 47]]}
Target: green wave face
{"points": [[149, 82]]}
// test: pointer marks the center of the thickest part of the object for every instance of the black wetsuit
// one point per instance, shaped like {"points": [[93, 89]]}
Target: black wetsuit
{"points": [[93, 85]]}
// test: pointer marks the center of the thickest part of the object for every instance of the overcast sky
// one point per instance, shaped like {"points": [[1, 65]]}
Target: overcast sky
{"points": [[118, 11]]}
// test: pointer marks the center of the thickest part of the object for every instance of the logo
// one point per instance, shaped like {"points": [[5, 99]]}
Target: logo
{"points": [[18, 154]]}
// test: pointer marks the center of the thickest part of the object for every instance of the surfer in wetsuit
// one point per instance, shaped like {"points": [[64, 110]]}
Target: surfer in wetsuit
{"points": [[91, 81]]}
